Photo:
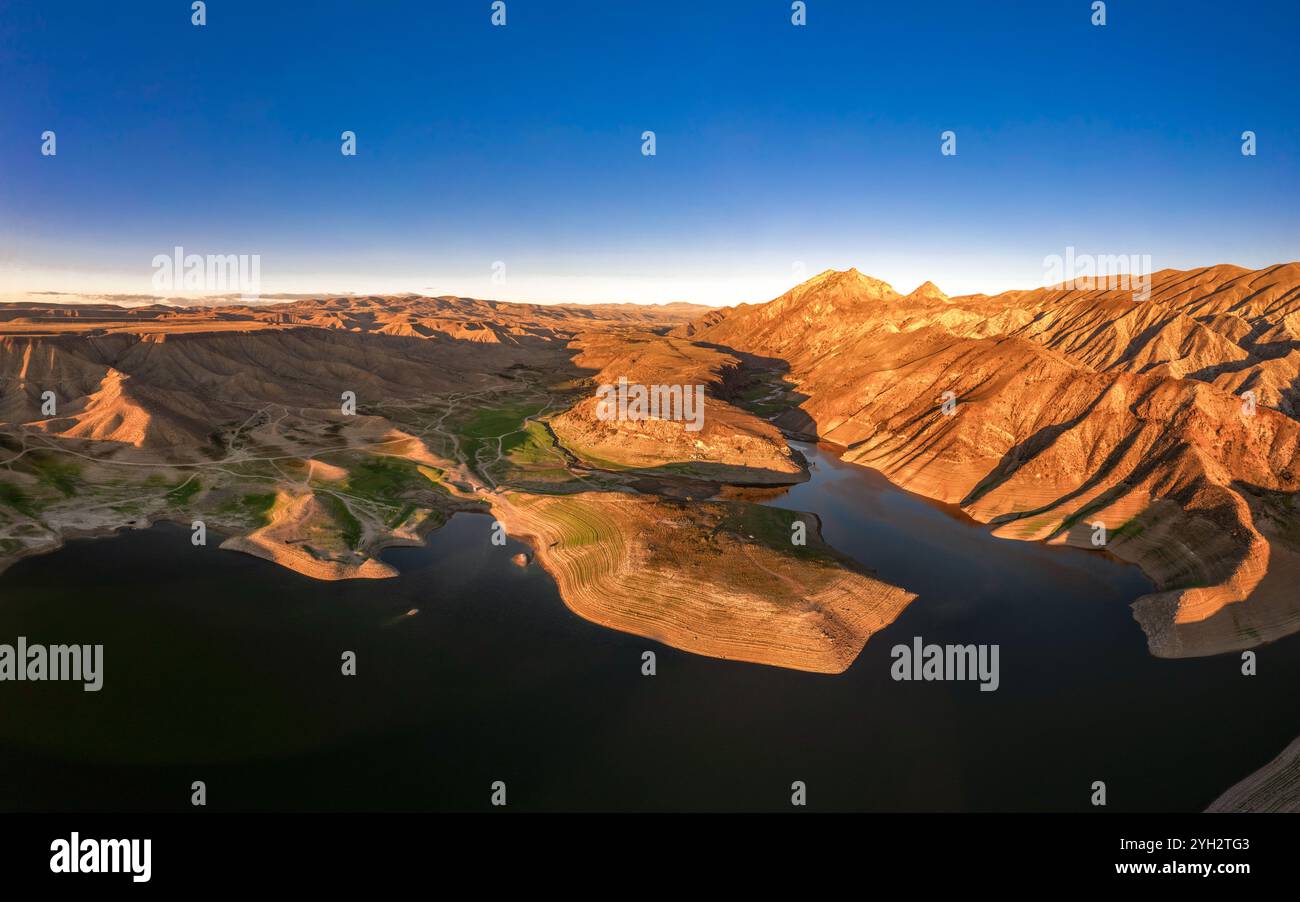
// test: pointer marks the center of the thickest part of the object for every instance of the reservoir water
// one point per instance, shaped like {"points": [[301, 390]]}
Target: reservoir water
{"points": [[225, 668]]}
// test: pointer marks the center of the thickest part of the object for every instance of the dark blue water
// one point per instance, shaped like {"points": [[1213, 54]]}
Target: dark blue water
{"points": [[224, 668]]}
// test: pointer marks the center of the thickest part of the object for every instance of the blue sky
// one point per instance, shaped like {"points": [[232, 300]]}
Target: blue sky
{"points": [[780, 149]]}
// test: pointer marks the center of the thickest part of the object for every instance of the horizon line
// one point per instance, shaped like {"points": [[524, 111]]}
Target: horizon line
{"points": [[129, 299]]}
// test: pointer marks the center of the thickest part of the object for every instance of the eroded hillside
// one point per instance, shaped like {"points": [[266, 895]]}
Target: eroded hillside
{"points": [[315, 434], [1166, 425], [1163, 426]]}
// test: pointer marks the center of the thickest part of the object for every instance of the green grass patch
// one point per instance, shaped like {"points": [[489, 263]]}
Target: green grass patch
{"points": [[13, 496], [58, 473], [486, 424], [258, 505], [384, 479], [435, 477], [185, 491], [774, 527], [398, 520], [533, 448], [1130, 529], [255, 507], [348, 524]]}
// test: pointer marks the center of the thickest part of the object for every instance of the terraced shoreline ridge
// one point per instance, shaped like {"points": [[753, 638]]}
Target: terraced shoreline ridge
{"points": [[1274, 788], [715, 578]]}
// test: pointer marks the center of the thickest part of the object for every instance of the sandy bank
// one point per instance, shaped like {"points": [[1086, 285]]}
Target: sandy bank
{"points": [[702, 578]]}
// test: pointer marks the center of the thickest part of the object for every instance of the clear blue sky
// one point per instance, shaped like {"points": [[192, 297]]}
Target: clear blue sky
{"points": [[776, 144]]}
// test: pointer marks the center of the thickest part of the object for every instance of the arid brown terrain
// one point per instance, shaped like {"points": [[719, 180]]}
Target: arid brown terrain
{"points": [[236, 416], [1163, 430], [1168, 422]]}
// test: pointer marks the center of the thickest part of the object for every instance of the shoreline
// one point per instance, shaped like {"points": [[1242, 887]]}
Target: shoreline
{"points": [[1157, 612]]}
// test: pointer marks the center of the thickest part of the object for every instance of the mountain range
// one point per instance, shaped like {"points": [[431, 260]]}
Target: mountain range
{"points": [[1162, 430]]}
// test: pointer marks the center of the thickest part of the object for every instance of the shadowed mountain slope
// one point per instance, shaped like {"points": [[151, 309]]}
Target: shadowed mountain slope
{"points": [[1165, 425]]}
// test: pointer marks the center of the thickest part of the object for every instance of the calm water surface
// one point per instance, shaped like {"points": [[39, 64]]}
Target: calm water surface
{"points": [[225, 668]]}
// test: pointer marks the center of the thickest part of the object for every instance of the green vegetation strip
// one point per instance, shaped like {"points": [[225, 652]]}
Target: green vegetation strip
{"points": [[348, 524], [13, 496]]}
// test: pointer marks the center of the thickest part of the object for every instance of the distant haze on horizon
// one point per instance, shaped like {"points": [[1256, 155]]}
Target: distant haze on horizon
{"points": [[129, 299], [781, 151]]}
